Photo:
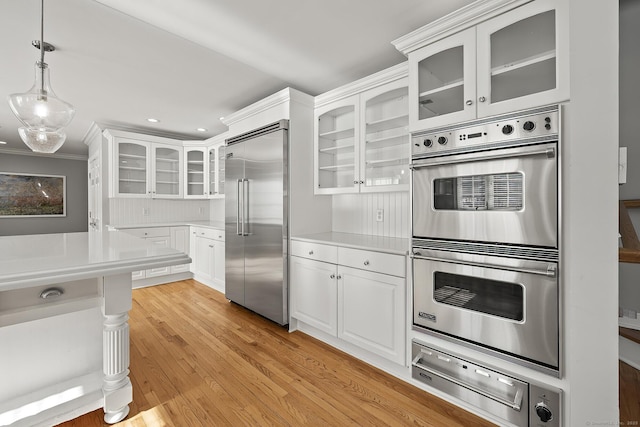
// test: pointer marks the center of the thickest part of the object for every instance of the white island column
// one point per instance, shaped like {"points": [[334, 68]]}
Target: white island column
{"points": [[117, 389]]}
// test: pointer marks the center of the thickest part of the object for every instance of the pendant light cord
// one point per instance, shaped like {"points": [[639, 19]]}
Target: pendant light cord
{"points": [[42, 64]]}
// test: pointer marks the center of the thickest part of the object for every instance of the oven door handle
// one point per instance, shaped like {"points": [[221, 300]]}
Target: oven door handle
{"points": [[516, 405], [548, 152], [551, 270]]}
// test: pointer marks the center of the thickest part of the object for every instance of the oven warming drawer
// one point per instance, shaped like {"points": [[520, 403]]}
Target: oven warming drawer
{"points": [[503, 396]]}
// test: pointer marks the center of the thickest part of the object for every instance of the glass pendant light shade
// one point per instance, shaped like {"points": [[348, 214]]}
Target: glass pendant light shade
{"points": [[40, 109], [42, 141]]}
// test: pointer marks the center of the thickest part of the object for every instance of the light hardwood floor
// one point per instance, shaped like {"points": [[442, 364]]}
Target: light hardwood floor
{"points": [[198, 360]]}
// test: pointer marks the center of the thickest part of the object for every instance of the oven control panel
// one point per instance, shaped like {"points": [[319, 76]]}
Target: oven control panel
{"points": [[481, 134]]}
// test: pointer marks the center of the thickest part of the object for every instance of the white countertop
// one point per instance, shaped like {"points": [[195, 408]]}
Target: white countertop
{"points": [[218, 225], [41, 259], [392, 245]]}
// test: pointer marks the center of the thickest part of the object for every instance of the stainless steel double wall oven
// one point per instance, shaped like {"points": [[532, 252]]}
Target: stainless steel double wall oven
{"points": [[485, 225]]}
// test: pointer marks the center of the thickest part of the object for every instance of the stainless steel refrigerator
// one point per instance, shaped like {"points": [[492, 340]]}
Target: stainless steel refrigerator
{"points": [[256, 221]]}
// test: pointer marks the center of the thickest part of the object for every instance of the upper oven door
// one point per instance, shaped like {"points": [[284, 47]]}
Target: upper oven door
{"points": [[506, 195]]}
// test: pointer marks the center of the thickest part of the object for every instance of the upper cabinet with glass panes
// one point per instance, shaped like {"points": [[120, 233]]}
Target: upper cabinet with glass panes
{"points": [[513, 61], [362, 135]]}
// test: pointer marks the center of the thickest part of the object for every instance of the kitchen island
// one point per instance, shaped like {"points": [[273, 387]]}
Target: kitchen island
{"points": [[64, 333]]}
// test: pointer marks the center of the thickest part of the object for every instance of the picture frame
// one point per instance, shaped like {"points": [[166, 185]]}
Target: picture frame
{"points": [[27, 195]]}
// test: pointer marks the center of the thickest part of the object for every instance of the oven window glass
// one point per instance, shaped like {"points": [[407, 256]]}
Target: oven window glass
{"points": [[499, 192], [487, 296]]}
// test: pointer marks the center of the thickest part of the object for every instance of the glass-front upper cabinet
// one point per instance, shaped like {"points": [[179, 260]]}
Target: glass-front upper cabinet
{"points": [[521, 58], [385, 147], [221, 155], [167, 163], [514, 61], [336, 157], [132, 172], [443, 81], [195, 177]]}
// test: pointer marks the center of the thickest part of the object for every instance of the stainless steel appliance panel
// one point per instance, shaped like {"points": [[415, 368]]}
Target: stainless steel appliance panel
{"points": [[256, 221], [506, 305], [514, 400], [234, 241], [266, 226], [505, 195]]}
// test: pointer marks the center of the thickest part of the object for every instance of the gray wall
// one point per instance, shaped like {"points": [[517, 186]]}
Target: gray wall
{"points": [[76, 181], [630, 136]]}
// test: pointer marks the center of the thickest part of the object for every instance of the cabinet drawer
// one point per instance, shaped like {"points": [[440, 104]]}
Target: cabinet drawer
{"points": [[148, 232], [317, 251], [209, 233], [372, 261]]}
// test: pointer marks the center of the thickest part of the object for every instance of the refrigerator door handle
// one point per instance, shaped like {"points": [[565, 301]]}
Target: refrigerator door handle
{"points": [[245, 207], [238, 188]]}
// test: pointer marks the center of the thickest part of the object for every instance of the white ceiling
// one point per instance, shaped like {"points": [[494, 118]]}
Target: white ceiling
{"points": [[190, 62]]}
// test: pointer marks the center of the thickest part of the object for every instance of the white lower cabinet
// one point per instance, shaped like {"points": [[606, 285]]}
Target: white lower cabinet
{"points": [[371, 311], [168, 237], [342, 292], [208, 256], [314, 291]]}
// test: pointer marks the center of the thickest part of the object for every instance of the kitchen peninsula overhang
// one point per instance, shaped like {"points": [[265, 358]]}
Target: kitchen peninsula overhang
{"points": [[64, 303]]}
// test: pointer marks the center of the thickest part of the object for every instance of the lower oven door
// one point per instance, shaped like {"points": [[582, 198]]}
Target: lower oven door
{"points": [[507, 195], [506, 306]]}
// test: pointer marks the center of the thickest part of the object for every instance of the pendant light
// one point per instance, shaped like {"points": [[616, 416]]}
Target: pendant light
{"points": [[42, 113]]}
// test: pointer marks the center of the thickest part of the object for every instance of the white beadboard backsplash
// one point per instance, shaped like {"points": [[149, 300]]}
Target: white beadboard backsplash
{"points": [[148, 211], [356, 213]]}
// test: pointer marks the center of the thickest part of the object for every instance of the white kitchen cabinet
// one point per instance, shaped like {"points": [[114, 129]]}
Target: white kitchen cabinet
{"points": [[169, 237], [313, 293], [362, 140], [347, 293], [514, 61], [371, 311], [208, 256], [204, 169], [180, 241], [144, 169], [196, 173], [216, 170]]}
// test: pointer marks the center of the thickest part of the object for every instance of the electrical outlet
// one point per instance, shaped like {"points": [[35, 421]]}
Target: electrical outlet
{"points": [[145, 211], [380, 215]]}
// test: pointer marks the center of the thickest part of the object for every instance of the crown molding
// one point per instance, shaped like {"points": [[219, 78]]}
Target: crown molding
{"points": [[465, 17], [48, 155], [374, 80], [285, 95]]}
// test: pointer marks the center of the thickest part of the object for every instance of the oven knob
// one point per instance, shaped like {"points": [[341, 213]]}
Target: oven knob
{"points": [[528, 126], [442, 140], [507, 129], [543, 412], [427, 142]]}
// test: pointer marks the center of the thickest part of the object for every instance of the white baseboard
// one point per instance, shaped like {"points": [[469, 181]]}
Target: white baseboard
{"points": [[627, 322], [629, 352]]}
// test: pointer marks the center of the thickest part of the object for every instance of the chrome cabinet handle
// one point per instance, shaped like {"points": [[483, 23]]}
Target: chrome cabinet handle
{"points": [[469, 102], [51, 293], [482, 99], [339, 277], [366, 262], [310, 252], [333, 276]]}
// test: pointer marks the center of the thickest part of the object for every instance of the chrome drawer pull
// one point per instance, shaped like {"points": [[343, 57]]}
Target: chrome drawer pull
{"points": [[310, 252], [51, 293], [366, 262]]}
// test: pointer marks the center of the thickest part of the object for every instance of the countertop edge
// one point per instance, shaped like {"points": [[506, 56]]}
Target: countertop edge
{"points": [[365, 242]]}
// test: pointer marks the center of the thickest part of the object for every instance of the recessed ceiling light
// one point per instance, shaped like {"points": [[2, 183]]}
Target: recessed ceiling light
{"points": [[201, 129], [3, 142], [153, 120]]}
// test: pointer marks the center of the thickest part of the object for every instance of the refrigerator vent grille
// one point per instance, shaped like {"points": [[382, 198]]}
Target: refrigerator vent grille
{"points": [[273, 127]]}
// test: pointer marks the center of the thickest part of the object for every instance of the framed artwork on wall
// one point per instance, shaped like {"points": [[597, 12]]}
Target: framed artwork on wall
{"points": [[32, 195]]}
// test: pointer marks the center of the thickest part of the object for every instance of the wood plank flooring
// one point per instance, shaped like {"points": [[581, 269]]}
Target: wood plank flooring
{"points": [[198, 360]]}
